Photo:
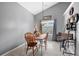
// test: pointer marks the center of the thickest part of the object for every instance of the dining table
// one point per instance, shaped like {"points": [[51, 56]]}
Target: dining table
{"points": [[41, 38]]}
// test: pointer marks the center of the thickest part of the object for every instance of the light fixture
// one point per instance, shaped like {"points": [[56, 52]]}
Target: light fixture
{"points": [[42, 10]]}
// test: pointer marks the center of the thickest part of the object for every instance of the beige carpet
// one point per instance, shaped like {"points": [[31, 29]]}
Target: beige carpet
{"points": [[52, 50]]}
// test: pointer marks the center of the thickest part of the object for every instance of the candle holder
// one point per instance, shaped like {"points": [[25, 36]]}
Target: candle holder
{"points": [[67, 26], [76, 17]]}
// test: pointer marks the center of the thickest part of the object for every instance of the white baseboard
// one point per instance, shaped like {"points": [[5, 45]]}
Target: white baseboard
{"points": [[12, 49]]}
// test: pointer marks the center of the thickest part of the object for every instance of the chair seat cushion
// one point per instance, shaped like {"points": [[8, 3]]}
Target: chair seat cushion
{"points": [[32, 44]]}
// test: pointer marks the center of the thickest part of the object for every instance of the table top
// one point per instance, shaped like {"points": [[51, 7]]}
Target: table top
{"points": [[42, 36]]}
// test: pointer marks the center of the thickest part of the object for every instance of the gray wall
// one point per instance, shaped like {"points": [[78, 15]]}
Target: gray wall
{"points": [[14, 22], [76, 6], [76, 10], [57, 12]]}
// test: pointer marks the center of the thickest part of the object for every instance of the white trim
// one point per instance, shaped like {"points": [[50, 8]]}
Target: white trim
{"points": [[68, 8], [12, 49], [37, 7]]}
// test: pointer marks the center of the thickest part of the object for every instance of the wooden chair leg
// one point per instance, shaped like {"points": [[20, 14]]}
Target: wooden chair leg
{"points": [[36, 47], [36, 50], [33, 50], [26, 50], [60, 45], [45, 45]]}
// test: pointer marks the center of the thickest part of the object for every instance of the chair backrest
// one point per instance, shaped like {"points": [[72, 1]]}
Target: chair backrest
{"points": [[37, 34], [46, 37], [29, 37], [65, 36]]}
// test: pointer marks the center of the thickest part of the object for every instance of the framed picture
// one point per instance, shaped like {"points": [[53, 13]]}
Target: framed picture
{"points": [[49, 17]]}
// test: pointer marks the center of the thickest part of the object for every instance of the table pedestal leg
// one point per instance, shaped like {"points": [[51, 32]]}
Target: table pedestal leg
{"points": [[41, 42]]}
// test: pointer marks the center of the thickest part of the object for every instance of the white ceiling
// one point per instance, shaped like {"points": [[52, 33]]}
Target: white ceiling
{"points": [[36, 7]]}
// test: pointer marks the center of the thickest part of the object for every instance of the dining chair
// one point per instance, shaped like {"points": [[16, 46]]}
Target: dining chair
{"points": [[64, 39], [31, 42]]}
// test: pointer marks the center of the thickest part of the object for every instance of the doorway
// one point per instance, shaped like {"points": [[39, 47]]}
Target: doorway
{"points": [[47, 27]]}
